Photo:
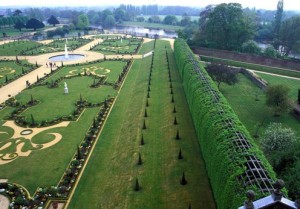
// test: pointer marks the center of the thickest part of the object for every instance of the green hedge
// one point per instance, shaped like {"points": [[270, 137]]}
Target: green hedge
{"points": [[262, 68], [225, 162]]}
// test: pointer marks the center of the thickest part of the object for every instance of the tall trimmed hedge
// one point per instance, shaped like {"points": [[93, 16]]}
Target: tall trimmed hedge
{"points": [[226, 163]]}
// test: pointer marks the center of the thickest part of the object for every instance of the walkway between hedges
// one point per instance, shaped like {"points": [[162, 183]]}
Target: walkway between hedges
{"points": [[4, 202]]}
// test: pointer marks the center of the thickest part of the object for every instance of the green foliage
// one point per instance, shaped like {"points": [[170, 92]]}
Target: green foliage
{"points": [[19, 25], [83, 21], [34, 24], [277, 138], [53, 20], [225, 27], [277, 23], [270, 51], [170, 20], [277, 98], [224, 161], [109, 21], [222, 73], [289, 35], [251, 47]]}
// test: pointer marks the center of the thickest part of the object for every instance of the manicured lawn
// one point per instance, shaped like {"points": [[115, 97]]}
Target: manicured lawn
{"points": [[110, 175], [53, 103], [251, 112], [44, 168], [118, 46], [293, 85], [10, 70], [16, 47], [111, 69], [147, 47], [152, 25]]}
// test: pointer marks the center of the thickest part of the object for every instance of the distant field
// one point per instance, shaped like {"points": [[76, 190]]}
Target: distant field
{"points": [[179, 17], [152, 25]]}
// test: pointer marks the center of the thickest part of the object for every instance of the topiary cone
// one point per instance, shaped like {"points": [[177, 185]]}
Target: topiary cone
{"points": [[140, 162], [175, 121], [180, 154], [144, 125], [174, 109], [145, 114], [177, 135], [183, 180], [142, 140], [137, 185]]}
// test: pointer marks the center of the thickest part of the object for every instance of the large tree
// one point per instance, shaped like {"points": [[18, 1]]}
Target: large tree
{"points": [[83, 21], [34, 24], [170, 20], [277, 23], [289, 35], [224, 26], [222, 73], [109, 21], [277, 98], [19, 25], [53, 20]]}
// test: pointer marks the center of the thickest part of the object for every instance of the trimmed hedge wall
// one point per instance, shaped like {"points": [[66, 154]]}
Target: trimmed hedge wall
{"points": [[227, 147]]}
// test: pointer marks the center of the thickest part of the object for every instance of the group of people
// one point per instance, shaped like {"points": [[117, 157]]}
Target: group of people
{"points": [[51, 64]]}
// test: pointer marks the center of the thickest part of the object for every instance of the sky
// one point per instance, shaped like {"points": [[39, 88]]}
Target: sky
{"points": [[258, 4]]}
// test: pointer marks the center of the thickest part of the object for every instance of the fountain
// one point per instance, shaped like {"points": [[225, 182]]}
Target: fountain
{"points": [[66, 52], [66, 56]]}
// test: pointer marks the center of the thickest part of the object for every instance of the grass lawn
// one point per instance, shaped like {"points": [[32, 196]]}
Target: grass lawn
{"points": [[45, 167], [293, 85], [147, 47], [15, 32], [110, 175], [16, 47], [118, 46], [58, 45], [152, 25], [10, 70], [251, 112], [111, 69]]}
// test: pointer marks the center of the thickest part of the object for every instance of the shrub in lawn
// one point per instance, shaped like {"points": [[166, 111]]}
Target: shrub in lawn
{"points": [[175, 121], [180, 156], [142, 140], [174, 109], [183, 181], [171, 91], [137, 185], [148, 95], [145, 114], [140, 162], [147, 103], [177, 135], [144, 125], [172, 100]]}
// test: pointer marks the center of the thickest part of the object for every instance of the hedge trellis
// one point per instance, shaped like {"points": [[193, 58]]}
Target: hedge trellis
{"points": [[234, 162]]}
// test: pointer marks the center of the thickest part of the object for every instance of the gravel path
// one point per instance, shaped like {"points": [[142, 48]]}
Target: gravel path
{"points": [[4, 202]]}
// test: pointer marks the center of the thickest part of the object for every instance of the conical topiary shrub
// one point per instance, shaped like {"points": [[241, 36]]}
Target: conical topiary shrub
{"points": [[145, 114], [180, 156], [172, 100], [140, 162], [144, 125], [175, 121], [177, 135], [137, 185], [183, 181], [142, 140], [174, 109]]}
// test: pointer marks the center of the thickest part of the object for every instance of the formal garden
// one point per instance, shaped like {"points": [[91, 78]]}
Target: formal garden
{"points": [[117, 133], [118, 45]]}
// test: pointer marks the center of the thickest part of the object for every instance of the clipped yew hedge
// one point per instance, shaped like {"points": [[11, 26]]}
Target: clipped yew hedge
{"points": [[225, 162]]}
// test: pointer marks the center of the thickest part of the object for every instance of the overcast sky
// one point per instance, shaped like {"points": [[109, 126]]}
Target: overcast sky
{"points": [[259, 4]]}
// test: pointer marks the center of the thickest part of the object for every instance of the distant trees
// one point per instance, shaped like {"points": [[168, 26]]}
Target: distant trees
{"points": [[224, 26], [170, 20], [289, 35], [53, 20], [277, 23], [19, 25], [154, 19], [222, 73], [109, 21], [277, 98], [83, 21], [34, 24]]}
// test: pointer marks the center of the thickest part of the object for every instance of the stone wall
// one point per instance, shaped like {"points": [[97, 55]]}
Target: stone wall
{"points": [[247, 58]]}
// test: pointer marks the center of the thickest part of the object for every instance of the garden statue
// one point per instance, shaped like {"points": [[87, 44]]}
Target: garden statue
{"points": [[66, 88]]}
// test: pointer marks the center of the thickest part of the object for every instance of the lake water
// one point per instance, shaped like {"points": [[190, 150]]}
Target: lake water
{"points": [[140, 31]]}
